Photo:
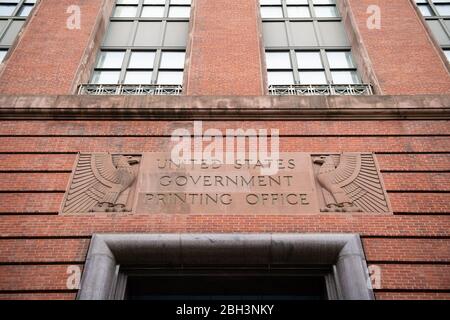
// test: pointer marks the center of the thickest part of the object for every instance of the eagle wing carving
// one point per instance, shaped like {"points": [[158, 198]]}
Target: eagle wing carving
{"points": [[98, 182], [363, 185], [352, 185]]}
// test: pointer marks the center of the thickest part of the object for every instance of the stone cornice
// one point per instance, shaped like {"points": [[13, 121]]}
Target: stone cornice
{"points": [[76, 107]]}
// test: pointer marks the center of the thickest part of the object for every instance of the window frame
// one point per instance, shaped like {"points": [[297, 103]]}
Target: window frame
{"points": [[19, 4], [129, 48], [320, 47], [436, 17], [326, 68]]}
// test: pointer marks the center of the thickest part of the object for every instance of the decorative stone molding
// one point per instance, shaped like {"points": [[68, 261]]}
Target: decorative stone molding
{"points": [[225, 108], [342, 251]]}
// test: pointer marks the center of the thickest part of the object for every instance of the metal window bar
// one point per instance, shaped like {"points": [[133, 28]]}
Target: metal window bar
{"points": [[127, 89], [321, 89]]}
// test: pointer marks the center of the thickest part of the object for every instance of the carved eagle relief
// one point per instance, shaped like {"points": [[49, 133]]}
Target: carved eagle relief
{"points": [[350, 183], [101, 183]]}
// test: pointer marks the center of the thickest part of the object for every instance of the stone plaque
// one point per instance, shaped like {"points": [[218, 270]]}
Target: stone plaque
{"points": [[151, 183]]}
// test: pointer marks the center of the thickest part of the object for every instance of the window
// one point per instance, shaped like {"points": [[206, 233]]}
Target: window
{"points": [[2, 54], [306, 44], [13, 14], [145, 44], [437, 16]]}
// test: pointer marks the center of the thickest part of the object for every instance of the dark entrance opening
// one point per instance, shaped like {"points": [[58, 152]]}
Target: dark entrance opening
{"points": [[230, 284]]}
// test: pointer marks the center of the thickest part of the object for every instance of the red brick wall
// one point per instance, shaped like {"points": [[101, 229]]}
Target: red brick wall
{"points": [[225, 49], [403, 57], [36, 157], [411, 246], [47, 57]]}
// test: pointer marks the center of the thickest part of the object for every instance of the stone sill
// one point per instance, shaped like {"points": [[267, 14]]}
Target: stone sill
{"points": [[225, 107]]}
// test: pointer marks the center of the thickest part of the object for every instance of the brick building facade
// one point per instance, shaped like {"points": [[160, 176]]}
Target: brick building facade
{"points": [[45, 123]]}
